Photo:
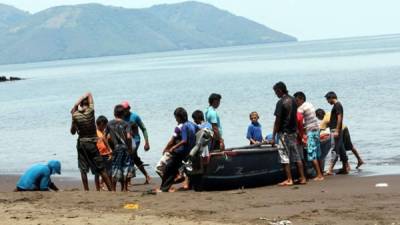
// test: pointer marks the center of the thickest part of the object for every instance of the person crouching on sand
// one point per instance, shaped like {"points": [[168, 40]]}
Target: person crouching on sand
{"points": [[104, 150], [179, 151], [37, 178], [174, 140], [254, 131], [118, 132]]}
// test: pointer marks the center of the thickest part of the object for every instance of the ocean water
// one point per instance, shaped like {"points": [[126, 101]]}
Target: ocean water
{"points": [[365, 72]]}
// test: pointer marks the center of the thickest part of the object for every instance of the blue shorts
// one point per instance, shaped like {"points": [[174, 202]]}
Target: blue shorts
{"points": [[313, 145]]}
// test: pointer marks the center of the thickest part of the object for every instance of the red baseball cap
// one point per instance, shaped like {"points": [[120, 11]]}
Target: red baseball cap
{"points": [[125, 105]]}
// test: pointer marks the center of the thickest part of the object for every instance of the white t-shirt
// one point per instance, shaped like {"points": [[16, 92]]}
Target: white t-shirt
{"points": [[310, 119]]}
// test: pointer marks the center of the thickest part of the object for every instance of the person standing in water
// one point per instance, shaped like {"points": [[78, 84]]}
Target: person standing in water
{"points": [[336, 125], [348, 144]]}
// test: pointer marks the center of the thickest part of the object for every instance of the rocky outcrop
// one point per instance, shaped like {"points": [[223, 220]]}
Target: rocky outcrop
{"points": [[4, 78]]}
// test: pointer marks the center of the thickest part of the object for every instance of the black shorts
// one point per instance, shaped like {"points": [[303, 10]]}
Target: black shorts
{"points": [[135, 157], [348, 145], [89, 157], [107, 164]]}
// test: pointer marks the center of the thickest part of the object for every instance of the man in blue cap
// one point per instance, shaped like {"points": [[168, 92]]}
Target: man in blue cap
{"points": [[37, 178]]}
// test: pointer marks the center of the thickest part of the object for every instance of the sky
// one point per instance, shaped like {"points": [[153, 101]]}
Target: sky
{"points": [[304, 19]]}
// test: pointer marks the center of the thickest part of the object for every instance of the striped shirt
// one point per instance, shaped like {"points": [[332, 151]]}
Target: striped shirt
{"points": [[85, 122], [310, 119]]}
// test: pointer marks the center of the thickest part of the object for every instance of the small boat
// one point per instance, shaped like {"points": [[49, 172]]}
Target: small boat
{"points": [[243, 167]]}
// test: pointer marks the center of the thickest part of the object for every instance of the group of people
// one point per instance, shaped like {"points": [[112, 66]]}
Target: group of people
{"points": [[298, 127], [184, 138], [109, 149]]}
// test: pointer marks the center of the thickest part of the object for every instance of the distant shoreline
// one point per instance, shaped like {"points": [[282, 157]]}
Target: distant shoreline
{"points": [[194, 50], [149, 52]]}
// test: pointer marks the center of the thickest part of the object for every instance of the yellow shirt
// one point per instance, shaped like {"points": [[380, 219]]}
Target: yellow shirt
{"points": [[325, 122]]}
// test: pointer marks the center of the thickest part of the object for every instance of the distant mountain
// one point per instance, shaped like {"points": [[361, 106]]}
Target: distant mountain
{"points": [[93, 30], [9, 16], [202, 21]]}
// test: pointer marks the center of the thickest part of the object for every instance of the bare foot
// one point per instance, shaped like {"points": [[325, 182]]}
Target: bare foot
{"points": [[348, 168], [344, 170], [172, 190], [185, 186], [301, 181], [359, 164], [286, 183], [157, 190], [179, 179], [148, 180], [319, 178], [329, 173]]}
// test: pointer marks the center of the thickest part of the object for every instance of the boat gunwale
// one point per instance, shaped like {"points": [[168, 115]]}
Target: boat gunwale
{"points": [[239, 151]]}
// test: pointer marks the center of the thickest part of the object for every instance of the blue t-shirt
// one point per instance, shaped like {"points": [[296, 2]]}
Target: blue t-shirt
{"points": [[35, 178], [135, 120], [269, 138], [254, 132], [205, 125], [188, 134], [212, 117]]}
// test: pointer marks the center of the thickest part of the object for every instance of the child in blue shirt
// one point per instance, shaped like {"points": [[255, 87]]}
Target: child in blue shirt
{"points": [[254, 131], [198, 118]]}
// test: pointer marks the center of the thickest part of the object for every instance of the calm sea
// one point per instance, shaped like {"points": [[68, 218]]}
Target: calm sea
{"points": [[365, 73]]}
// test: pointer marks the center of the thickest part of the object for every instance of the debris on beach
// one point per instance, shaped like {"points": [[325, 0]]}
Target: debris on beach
{"points": [[381, 185], [131, 206], [149, 192], [276, 221], [282, 222], [240, 191]]}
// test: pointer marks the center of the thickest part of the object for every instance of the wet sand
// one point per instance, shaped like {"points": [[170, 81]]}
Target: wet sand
{"points": [[337, 200]]}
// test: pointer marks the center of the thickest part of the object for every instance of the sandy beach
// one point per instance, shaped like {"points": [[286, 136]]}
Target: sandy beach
{"points": [[338, 200]]}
